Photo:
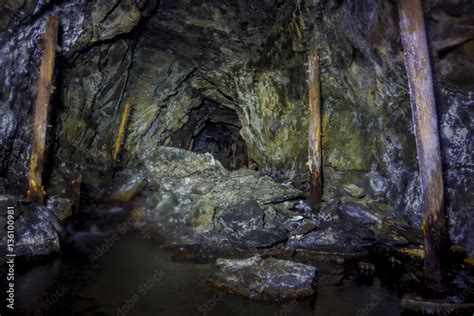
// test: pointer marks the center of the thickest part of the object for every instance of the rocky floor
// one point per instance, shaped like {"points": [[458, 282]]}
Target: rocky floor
{"points": [[190, 200], [192, 205], [266, 279]]}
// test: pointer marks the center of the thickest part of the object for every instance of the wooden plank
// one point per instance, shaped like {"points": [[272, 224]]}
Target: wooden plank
{"points": [[36, 191], [314, 131], [420, 83], [122, 128]]}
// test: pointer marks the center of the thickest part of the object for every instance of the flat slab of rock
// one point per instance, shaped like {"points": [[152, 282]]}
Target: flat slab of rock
{"points": [[268, 279]]}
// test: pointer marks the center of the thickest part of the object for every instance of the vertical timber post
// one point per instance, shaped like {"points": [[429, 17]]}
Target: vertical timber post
{"points": [[420, 83], [122, 128], [314, 131], [44, 90]]}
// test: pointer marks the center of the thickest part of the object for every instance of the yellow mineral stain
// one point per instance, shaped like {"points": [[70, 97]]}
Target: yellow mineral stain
{"points": [[122, 128], [137, 213], [469, 261], [414, 252]]}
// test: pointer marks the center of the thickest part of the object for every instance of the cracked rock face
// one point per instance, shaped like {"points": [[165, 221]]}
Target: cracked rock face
{"points": [[267, 279], [368, 136], [185, 64]]}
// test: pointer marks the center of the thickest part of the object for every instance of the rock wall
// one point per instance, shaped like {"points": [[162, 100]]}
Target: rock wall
{"points": [[85, 26], [367, 124], [187, 56], [173, 56]]}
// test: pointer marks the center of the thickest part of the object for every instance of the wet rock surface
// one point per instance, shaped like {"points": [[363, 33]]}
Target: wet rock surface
{"points": [[192, 199], [194, 69], [191, 203], [350, 227], [37, 231], [173, 58], [267, 279]]}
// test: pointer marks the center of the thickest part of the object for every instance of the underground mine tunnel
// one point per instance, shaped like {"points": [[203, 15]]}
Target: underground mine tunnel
{"points": [[236, 157], [213, 128]]}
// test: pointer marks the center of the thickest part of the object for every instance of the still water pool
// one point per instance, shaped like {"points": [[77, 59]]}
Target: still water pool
{"points": [[134, 276]]}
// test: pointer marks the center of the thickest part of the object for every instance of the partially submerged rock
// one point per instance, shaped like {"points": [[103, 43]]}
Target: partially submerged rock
{"points": [[267, 279], [37, 231]]}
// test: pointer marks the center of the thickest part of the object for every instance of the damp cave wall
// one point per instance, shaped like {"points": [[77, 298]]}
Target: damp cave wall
{"points": [[171, 57]]}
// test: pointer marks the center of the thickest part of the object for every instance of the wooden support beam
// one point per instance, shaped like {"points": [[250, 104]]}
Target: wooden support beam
{"points": [[122, 129], [36, 191], [420, 83], [314, 132]]}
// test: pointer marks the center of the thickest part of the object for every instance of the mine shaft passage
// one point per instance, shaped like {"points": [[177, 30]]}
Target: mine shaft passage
{"points": [[213, 128], [223, 141]]}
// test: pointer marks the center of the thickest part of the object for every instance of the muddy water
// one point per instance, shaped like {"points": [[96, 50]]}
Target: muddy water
{"points": [[131, 275]]}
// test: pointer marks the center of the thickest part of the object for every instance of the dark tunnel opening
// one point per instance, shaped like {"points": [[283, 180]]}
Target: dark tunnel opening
{"points": [[213, 128], [223, 141]]}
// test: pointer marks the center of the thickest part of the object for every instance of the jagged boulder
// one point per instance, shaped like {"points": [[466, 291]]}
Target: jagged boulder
{"points": [[193, 199], [36, 230], [348, 226], [267, 279], [243, 225]]}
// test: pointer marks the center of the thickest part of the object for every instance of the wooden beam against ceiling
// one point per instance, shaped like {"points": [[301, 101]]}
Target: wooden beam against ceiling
{"points": [[36, 191], [420, 83]]}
